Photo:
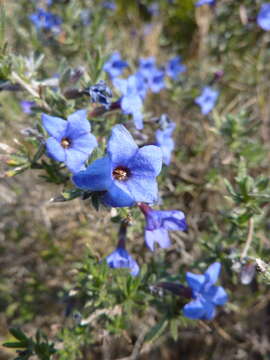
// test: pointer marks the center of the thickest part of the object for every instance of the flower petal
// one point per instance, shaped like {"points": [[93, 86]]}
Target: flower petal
{"points": [[54, 126], [55, 150], [212, 273], [147, 161], [121, 146], [210, 311], [195, 309], [217, 295], [78, 124], [140, 189], [171, 220], [120, 258], [75, 159], [160, 236], [85, 143], [195, 281], [117, 197], [97, 177]]}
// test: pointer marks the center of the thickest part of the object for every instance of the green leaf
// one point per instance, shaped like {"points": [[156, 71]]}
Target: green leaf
{"points": [[18, 334], [15, 345], [156, 331]]}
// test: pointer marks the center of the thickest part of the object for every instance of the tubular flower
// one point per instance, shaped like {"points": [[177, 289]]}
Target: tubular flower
{"points": [[70, 141], [127, 173], [159, 223], [120, 258], [205, 294]]}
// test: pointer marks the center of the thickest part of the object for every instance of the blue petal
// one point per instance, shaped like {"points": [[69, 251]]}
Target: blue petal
{"points": [[97, 177], [169, 220], [210, 311], [263, 18], [120, 258], [85, 143], [159, 236], [195, 281], [212, 273], [78, 124], [121, 85], [142, 189], [147, 162], [75, 159], [195, 309], [121, 146], [54, 126], [138, 120], [217, 295], [117, 197], [55, 150]]}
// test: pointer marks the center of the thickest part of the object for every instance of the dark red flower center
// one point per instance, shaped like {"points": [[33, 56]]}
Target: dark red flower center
{"points": [[121, 173], [65, 143]]}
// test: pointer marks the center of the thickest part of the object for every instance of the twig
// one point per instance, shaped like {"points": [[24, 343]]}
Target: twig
{"points": [[249, 238], [137, 347]]}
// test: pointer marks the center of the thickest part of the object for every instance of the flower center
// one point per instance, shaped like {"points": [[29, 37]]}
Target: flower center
{"points": [[121, 173], [65, 143]]}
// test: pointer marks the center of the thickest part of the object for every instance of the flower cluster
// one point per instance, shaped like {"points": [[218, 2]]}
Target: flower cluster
{"points": [[45, 20], [148, 77]]}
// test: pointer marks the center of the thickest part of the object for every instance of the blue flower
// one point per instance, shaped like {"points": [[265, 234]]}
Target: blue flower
{"points": [[205, 294], [156, 80], [127, 173], [131, 101], [174, 67], [101, 93], [263, 18], [115, 65], [27, 106], [110, 5], [147, 66], [207, 99], [203, 2], [70, 141], [159, 223], [45, 20], [120, 258], [165, 142]]}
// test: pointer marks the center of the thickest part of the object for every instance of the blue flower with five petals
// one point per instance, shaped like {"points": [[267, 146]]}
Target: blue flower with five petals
{"points": [[165, 142], [45, 20], [205, 294], [120, 258], [207, 99], [70, 141], [174, 67], [115, 65], [127, 174], [263, 18], [159, 223]]}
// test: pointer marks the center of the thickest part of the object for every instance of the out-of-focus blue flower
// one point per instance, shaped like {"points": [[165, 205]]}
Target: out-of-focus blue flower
{"points": [[45, 20], [205, 294], [207, 99], [154, 9], [153, 77], [27, 106], [120, 258], [203, 2], [263, 18], [165, 142], [175, 67], [101, 93], [127, 173], [70, 141], [110, 5], [147, 66], [159, 223], [85, 16], [115, 65], [131, 101], [156, 81]]}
